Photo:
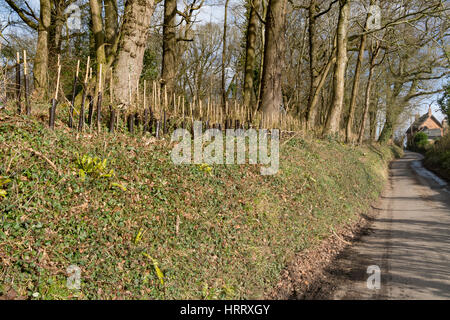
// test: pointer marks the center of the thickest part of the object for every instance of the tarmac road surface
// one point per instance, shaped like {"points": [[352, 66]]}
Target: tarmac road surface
{"points": [[409, 240]]}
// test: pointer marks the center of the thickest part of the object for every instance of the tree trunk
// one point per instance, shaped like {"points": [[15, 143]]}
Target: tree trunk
{"points": [[366, 106], [373, 125], [318, 84], [41, 59], [355, 89], [131, 47], [311, 111], [250, 47], [169, 67], [55, 35], [224, 52], [111, 24], [373, 59], [392, 110], [334, 117], [264, 5], [274, 52], [388, 128], [97, 30]]}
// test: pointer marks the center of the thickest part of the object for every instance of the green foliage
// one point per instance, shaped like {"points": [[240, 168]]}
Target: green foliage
{"points": [[118, 185], [94, 167], [420, 139], [444, 101], [158, 271], [3, 182], [437, 157], [419, 142], [205, 168], [150, 68]]}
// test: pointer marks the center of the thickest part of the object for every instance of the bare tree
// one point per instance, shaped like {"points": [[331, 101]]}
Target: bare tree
{"points": [[250, 48], [274, 50], [131, 47], [169, 67], [356, 80], [334, 115], [374, 52]]}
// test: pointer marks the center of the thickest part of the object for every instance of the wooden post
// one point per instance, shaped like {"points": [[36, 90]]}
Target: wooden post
{"points": [[145, 121], [81, 117], [18, 89], [91, 110], [158, 125], [130, 123], [54, 102], [25, 84], [74, 92], [112, 119], [150, 125], [99, 100], [144, 99], [137, 120], [164, 122]]}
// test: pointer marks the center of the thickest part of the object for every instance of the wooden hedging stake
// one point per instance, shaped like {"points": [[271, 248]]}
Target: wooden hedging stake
{"points": [[81, 116], [91, 110], [112, 119], [137, 120], [99, 111], [83, 100], [158, 125], [150, 125], [130, 123], [145, 121], [164, 122], [150, 129], [99, 100], [18, 91], [51, 119], [54, 102], [74, 92], [25, 84]]}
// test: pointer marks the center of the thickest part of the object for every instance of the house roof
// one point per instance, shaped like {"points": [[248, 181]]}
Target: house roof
{"points": [[419, 122]]}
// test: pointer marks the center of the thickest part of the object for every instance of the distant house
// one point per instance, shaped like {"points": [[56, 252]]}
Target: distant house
{"points": [[429, 125]]}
